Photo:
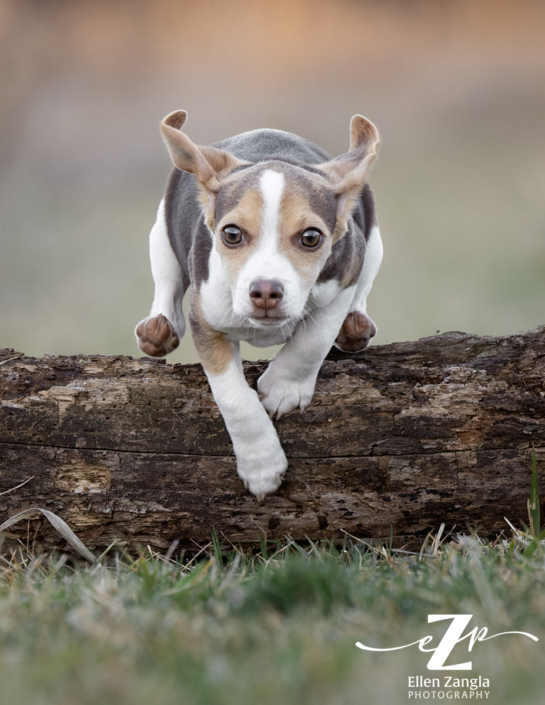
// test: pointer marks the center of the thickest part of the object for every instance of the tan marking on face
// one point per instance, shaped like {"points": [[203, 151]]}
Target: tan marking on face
{"points": [[296, 216], [215, 352], [247, 215]]}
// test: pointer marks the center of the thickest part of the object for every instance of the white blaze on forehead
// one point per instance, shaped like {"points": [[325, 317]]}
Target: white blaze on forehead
{"points": [[271, 185], [267, 261]]}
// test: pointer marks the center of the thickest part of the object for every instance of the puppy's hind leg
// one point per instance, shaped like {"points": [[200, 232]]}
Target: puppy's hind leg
{"points": [[160, 333], [358, 329]]}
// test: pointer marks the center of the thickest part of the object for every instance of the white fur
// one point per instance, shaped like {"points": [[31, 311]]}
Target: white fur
{"points": [[219, 311], [371, 264], [313, 316], [290, 379], [260, 458], [324, 293], [268, 262], [170, 286], [271, 185]]}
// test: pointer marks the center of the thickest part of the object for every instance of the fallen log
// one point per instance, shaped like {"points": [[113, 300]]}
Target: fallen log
{"points": [[399, 438]]}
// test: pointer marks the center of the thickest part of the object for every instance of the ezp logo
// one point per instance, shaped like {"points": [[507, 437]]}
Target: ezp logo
{"points": [[452, 636]]}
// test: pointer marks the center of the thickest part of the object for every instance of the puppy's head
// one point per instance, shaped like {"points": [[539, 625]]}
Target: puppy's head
{"points": [[274, 223]]}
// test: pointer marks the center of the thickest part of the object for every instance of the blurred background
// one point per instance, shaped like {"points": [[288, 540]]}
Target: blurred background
{"points": [[456, 87]]}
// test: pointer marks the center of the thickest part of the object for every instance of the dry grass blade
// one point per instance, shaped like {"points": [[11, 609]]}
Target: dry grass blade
{"points": [[17, 357], [61, 526], [17, 487]]}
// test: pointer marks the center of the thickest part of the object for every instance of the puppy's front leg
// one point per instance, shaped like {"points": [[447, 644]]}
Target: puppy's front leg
{"points": [[290, 379], [160, 333], [261, 461]]}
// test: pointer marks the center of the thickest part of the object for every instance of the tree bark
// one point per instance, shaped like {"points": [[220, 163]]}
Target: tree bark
{"points": [[399, 438]]}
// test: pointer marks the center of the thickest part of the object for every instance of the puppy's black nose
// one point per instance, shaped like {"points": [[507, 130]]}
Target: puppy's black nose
{"points": [[266, 293]]}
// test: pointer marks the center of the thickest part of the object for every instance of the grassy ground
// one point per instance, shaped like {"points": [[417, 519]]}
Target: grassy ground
{"points": [[277, 628]]}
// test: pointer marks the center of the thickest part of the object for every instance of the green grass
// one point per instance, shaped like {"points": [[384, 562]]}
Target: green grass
{"points": [[279, 627]]}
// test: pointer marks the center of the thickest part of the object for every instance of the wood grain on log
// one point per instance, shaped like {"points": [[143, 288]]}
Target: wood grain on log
{"points": [[407, 435]]}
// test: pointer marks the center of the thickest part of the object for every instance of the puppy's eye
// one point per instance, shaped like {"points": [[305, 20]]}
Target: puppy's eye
{"points": [[231, 235], [311, 238]]}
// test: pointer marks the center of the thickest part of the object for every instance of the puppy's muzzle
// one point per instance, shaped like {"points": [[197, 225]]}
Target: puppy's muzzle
{"points": [[266, 296]]}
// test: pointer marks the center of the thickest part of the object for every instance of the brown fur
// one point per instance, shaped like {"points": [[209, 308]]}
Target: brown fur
{"points": [[247, 216], [296, 216], [209, 164], [356, 332], [215, 353], [156, 338], [349, 172]]}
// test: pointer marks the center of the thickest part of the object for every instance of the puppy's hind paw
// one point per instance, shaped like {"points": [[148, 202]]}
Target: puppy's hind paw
{"points": [[156, 336], [356, 333]]}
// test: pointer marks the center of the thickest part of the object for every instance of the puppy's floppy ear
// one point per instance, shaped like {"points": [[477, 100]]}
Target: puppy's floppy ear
{"points": [[348, 173], [209, 164]]}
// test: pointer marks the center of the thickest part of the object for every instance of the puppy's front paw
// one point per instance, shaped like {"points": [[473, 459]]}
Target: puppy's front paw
{"points": [[280, 394], [261, 468], [156, 336], [356, 333]]}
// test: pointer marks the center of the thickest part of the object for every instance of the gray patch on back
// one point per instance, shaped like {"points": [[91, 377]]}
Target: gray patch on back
{"points": [[188, 235], [266, 145]]}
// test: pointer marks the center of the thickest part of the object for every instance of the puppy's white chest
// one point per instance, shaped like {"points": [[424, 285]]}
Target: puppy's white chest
{"points": [[265, 338]]}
